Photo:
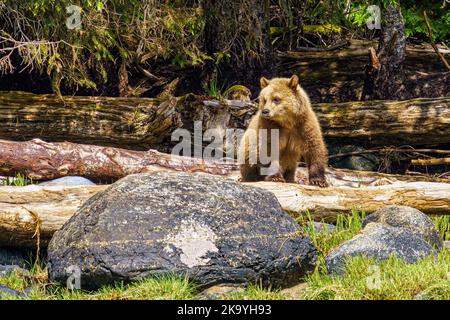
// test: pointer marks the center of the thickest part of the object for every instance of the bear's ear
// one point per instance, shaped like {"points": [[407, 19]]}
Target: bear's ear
{"points": [[263, 82], [293, 82]]}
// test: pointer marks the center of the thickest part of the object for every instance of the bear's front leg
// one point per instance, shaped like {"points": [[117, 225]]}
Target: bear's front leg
{"points": [[316, 161]]}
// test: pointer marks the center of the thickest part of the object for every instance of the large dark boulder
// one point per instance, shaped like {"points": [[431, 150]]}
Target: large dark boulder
{"points": [[211, 229], [409, 218], [379, 242]]}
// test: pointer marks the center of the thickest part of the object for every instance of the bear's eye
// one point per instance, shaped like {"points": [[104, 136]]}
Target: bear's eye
{"points": [[276, 100]]}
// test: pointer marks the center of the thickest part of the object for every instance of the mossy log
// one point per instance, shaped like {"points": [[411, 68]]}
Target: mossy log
{"points": [[33, 213], [143, 123]]}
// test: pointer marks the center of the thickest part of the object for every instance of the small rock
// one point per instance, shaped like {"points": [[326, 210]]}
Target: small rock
{"points": [[321, 227], [408, 218], [8, 269], [295, 292], [10, 256], [211, 229], [379, 241], [447, 244], [362, 162], [68, 182], [6, 291], [218, 291]]}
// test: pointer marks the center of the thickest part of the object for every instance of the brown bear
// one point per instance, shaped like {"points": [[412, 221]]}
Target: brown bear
{"points": [[285, 106]]}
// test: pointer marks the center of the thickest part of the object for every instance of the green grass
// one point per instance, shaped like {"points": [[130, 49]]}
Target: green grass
{"points": [[443, 225], [393, 279], [19, 180]]}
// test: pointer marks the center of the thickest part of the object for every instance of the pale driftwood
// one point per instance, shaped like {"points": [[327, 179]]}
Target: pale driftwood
{"points": [[33, 213], [431, 198], [26, 212], [430, 162], [133, 123], [142, 123]]}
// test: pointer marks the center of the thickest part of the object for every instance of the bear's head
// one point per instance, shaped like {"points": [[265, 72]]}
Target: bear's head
{"points": [[281, 100]]}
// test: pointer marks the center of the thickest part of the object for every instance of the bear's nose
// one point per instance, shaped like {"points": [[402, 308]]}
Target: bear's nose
{"points": [[265, 112]]}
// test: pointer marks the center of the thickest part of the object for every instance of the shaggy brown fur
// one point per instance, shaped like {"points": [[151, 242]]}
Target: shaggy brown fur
{"points": [[285, 106]]}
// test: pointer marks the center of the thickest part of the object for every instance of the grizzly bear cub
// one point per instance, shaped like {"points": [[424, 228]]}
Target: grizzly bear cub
{"points": [[285, 106]]}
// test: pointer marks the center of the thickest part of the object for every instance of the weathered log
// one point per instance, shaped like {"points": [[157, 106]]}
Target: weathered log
{"points": [[136, 123], [409, 122], [337, 76], [41, 160], [31, 214], [35, 212], [140, 123]]}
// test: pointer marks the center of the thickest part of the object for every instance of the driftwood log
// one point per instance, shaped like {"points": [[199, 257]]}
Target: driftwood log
{"points": [[30, 215], [40, 160], [143, 123]]}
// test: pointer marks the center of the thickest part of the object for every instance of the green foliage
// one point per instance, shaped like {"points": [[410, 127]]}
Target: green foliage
{"points": [[212, 89], [443, 225], [346, 227], [19, 180], [111, 31], [412, 11]]}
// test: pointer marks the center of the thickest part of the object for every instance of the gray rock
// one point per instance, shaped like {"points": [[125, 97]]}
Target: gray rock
{"points": [[408, 218], [8, 269], [363, 162], [10, 256], [211, 229], [321, 227], [379, 241], [8, 292], [68, 181]]}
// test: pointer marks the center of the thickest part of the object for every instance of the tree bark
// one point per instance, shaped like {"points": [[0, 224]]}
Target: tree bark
{"points": [[385, 74], [237, 38], [140, 123], [33, 213]]}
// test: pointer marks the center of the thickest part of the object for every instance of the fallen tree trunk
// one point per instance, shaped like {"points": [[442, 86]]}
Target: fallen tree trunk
{"points": [[32, 213], [141, 123], [41, 160], [134, 123], [338, 75]]}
